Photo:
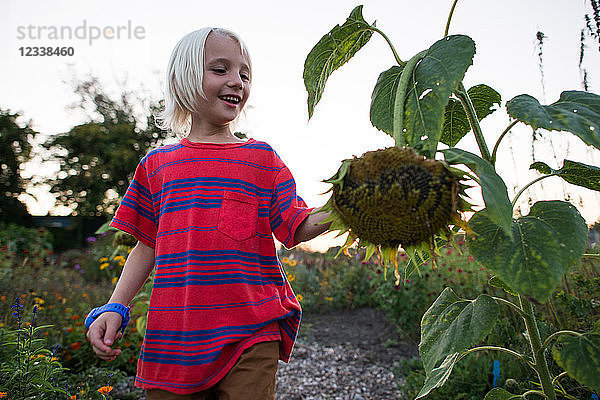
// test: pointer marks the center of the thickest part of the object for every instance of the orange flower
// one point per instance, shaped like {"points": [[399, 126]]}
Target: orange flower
{"points": [[74, 397], [3, 394], [76, 345], [75, 317], [105, 390], [69, 329]]}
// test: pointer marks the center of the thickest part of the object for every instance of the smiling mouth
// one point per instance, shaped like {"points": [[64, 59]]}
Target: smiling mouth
{"points": [[231, 99]]}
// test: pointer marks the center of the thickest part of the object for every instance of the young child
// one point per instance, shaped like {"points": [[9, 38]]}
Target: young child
{"points": [[204, 212]]}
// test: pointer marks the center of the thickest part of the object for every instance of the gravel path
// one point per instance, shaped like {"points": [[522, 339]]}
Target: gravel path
{"points": [[342, 355]]}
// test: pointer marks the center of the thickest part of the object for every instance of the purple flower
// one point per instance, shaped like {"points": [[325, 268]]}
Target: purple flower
{"points": [[17, 306], [77, 266], [82, 271], [91, 239]]}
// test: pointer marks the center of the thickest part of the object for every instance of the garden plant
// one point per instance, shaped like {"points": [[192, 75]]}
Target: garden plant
{"points": [[421, 103]]}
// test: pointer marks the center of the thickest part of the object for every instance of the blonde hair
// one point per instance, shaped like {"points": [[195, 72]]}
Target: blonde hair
{"points": [[183, 84]]}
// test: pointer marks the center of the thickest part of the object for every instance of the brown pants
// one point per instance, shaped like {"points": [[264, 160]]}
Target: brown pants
{"points": [[252, 378]]}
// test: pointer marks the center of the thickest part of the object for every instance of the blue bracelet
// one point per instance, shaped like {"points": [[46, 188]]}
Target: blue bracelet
{"points": [[115, 307]]}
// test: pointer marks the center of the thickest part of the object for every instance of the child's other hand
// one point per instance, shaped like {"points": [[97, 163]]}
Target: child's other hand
{"points": [[103, 333]]}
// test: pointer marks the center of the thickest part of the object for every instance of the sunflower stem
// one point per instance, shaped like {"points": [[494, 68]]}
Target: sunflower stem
{"points": [[508, 128], [398, 60], [501, 349], [527, 186], [450, 18], [467, 104], [533, 334]]}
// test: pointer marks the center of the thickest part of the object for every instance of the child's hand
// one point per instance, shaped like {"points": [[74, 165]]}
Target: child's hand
{"points": [[103, 333]]}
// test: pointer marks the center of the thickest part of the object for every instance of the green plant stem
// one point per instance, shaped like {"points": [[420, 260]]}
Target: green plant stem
{"points": [[450, 18], [467, 104], [508, 128], [555, 335], [498, 348], [538, 392], [541, 367], [557, 377], [527, 186], [590, 255], [510, 304], [398, 60], [559, 322]]}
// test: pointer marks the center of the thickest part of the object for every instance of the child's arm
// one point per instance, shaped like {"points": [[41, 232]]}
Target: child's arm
{"points": [[310, 228], [103, 331]]}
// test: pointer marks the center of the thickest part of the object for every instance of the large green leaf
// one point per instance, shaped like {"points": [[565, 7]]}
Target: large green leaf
{"points": [[382, 99], [501, 394], [575, 111], [580, 357], [493, 189], [545, 244], [456, 124], [433, 80], [438, 376], [452, 325], [331, 52], [574, 172]]}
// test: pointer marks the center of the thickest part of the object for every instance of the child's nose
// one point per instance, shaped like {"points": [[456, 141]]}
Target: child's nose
{"points": [[236, 81]]}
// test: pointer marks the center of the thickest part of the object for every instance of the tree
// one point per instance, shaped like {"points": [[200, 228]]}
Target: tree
{"points": [[15, 149], [98, 158]]}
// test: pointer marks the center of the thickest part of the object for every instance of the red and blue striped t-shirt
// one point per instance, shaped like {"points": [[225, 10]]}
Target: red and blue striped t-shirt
{"points": [[210, 212]]}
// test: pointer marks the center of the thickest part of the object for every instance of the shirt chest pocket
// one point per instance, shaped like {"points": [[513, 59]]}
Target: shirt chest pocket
{"points": [[238, 216]]}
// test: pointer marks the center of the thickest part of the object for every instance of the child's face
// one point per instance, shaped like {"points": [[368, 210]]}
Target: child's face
{"points": [[226, 81]]}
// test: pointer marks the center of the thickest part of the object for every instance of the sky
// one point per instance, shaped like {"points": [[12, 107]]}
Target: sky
{"points": [[279, 35]]}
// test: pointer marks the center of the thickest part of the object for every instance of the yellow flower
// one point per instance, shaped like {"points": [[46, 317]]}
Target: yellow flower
{"points": [[329, 298], [104, 265], [291, 277], [114, 280], [299, 297], [121, 263], [103, 259], [130, 250], [285, 260], [293, 263], [119, 258], [38, 301]]}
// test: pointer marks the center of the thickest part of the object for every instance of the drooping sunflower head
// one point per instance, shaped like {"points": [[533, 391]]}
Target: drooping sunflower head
{"points": [[393, 197]]}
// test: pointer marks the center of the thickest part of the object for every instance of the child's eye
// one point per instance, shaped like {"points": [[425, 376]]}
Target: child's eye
{"points": [[245, 77], [219, 70]]}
